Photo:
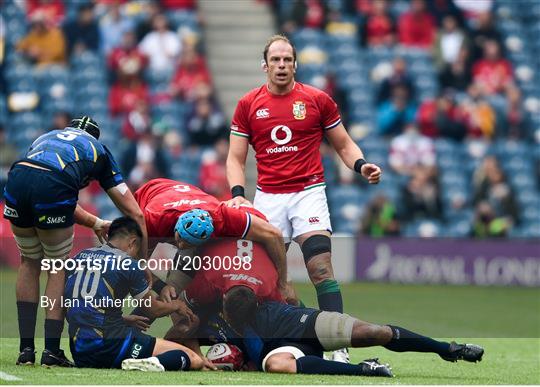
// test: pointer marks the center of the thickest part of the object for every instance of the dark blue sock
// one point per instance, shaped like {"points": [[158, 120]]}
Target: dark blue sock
{"points": [[175, 360], [317, 366], [404, 340], [53, 333], [27, 314], [329, 296]]}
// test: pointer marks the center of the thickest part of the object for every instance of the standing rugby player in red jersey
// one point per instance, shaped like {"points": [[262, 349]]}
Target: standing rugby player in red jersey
{"points": [[285, 122]]}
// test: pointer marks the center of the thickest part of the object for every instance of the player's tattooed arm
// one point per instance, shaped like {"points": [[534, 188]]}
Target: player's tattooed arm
{"points": [[263, 232], [160, 309]]}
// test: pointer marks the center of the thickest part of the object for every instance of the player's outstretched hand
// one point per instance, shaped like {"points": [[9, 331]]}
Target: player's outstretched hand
{"points": [[238, 202], [208, 365], [372, 173], [289, 294], [139, 322], [168, 293], [101, 229]]}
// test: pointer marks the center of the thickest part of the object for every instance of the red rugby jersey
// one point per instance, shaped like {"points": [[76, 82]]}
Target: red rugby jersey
{"points": [[162, 201], [286, 132], [210, 285]]}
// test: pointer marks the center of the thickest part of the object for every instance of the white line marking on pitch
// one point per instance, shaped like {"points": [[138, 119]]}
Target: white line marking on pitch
{"points": [[8, 377]]}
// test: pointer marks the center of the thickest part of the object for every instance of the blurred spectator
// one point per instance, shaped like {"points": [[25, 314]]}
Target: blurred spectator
{"points": [[144, 160], [125, 94], [127, 60], [379, 27], [178, 4], [518, 120], [480, 117], [213, 175], [2, 53], [380, 218], [53, 10], [493, 74], [417, 27], [150, 9], [487, 224], [137, 122], [305, 13], [490, 185], [485, 30], [457, 75], [191, 71], [420, 197], [473, 9], [161, 45], [449, 42], [60, 120], [410, 150], [393, 115], [399, 77], [113, 26], [82, 34], [441, 8], [207, 123], [44, 44], [8, 155], [442, 117]]}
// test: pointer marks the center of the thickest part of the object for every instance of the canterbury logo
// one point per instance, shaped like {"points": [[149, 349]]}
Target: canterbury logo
{"points": [[262, 113], [314, 219], [11, 212]]}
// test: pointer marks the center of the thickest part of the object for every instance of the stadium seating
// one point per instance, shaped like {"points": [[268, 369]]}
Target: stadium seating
{"points": [[356, 70], [82, 87]]}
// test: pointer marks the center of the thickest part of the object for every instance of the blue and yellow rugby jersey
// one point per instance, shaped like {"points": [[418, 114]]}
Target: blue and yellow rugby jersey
{"points": [[90, 292], [77, 154]]}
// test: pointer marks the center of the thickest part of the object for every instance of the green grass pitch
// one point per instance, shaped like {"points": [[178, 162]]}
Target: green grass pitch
{"points": [[506, 321]]}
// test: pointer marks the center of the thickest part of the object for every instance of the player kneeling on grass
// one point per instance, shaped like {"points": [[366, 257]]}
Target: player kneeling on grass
{"points": [[296, 327], [94, 294]]}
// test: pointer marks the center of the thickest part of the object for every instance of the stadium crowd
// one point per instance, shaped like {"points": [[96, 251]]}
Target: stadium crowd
{"points": [[441, 94]]}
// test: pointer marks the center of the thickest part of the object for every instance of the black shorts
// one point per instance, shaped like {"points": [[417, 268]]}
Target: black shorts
{"points": [[112, 351], [39, 198]]}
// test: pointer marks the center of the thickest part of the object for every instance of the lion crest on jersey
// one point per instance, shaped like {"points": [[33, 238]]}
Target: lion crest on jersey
{"points": [[299, 110]]}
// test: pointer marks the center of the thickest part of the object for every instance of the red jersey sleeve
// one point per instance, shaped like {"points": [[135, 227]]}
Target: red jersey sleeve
{"points": [[330, 117], [231, 222], [240, 123]]}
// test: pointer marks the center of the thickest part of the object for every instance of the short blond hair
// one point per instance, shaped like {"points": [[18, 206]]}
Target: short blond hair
{"points": [[275, 38]]}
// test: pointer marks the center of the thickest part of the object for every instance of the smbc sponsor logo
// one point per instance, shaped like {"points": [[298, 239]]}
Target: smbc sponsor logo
{"points": [[281, 135]]}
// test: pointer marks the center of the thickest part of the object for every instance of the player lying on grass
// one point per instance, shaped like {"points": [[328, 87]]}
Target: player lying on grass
{"points": [[269, 328], [280, 326], [206, 290], [190, 216], [99, 336]]}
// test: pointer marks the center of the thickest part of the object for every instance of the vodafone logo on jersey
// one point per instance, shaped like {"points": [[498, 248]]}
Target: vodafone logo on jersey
{"points": [[281, 129], [262, 113], [281, 135]]}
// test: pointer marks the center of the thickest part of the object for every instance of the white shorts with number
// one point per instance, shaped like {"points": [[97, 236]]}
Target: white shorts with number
{"points": [[295, 213]]}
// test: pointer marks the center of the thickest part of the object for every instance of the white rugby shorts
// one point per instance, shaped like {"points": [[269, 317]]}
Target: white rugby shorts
{"points": [[295, 213]]}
